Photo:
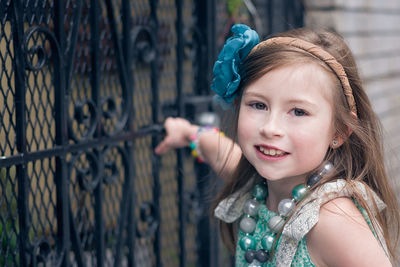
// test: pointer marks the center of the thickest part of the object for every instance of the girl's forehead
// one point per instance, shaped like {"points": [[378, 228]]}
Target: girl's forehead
{"points": [[294, 83], [295, 78]]}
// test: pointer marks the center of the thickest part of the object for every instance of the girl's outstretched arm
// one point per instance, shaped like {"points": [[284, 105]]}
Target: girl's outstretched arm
{"points": [[220, 152], [343, 238]]}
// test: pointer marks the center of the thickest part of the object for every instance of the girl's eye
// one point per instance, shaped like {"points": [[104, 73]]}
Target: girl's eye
{"points": [[259, 106], [299, 112]]}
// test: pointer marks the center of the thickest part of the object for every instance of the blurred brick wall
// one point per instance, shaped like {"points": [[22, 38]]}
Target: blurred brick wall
{"points": [[372, 30]]}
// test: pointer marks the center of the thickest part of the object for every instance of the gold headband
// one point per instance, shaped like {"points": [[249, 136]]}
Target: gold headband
{"points": [[323, 55]]}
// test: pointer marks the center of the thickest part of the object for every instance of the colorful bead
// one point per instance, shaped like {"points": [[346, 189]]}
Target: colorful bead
{"points": [[192, 145], [260, 191], [247, 242], [262, 256], [285, 207], [247, 225], [313, 180], [255, 263], [194, 153], [328, 167], [251, 207], [276, 223], [299, 192], [250, 255], [194, 141], [267, 241]]}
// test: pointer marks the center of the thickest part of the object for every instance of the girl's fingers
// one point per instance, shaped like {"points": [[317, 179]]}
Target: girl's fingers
{"points": [[177, 131], [161, 148]]}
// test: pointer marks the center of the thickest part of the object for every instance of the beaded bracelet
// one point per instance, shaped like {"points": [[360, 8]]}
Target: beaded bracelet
{"points": [[194, 141]]}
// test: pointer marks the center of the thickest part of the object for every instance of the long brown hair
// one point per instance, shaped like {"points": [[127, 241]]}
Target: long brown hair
{"points": [[360, 158]]}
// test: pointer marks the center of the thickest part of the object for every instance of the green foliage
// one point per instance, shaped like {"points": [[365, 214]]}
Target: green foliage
{"points": [[7, 192], [233, 6], [9, 230], [8, 246]]}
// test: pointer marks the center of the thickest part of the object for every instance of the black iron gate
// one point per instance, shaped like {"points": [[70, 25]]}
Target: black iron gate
{"points": [[85, 85]]}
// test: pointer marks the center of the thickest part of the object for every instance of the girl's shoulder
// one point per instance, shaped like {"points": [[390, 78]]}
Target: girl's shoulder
{"points": [[342, 237]]}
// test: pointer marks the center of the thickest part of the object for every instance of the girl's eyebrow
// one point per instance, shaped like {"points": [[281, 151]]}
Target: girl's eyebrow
{"points": [[291, 101], [256, 94], [302, 102]]}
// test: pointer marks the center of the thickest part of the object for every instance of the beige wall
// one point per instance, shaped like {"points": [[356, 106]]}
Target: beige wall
{"points": [[372, 30]]}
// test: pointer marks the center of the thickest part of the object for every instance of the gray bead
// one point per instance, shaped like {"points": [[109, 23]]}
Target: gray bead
{"points": [[255, 263], [262, 256], [251, 207], [276, 223], [327, 168], [250, 255], [247, 225], [286, 206]]}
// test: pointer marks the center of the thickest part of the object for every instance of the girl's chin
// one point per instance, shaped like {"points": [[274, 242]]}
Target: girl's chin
{"points": [[282, 178]]}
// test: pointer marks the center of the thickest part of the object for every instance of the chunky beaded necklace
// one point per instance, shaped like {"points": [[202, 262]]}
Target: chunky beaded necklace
{"points": [[286, 206]]}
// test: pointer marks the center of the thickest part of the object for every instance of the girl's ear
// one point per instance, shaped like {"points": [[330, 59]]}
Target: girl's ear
{"points": [[336, 142], [339, 139]]}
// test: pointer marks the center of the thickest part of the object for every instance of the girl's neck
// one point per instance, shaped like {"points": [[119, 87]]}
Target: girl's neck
{"points": [[281, 189]]}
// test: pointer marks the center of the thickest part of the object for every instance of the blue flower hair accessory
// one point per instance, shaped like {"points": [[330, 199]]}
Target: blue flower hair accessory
{"points": [[226, 77]]}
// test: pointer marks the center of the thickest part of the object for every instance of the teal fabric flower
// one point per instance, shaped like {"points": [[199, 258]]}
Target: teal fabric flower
{"points": [[226, 77]]}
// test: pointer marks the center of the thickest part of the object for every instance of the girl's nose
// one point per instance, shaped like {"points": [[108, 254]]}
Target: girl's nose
{"points": [[272, 127]]}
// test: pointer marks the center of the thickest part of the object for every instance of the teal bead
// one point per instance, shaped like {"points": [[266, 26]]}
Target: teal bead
{"points": [[299, 192], [267, 241], [247, 242], [192, 145], [260, 191]]}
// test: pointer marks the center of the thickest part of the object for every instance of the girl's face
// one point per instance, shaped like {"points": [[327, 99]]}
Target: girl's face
{"points": [[285, 122]]}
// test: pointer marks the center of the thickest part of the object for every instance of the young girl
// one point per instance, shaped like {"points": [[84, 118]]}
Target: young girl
{"points": [[305, 182]]}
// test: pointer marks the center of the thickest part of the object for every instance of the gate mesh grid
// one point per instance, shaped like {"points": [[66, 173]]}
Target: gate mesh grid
{"points": [[7, 109], [42, 203], [8, 184], [9, 230], [86, 107]]}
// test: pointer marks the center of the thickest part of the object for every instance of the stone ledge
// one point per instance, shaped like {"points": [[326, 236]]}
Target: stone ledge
{"points": [[364, 4], [376, 67], [363, 46], [350, 22]]}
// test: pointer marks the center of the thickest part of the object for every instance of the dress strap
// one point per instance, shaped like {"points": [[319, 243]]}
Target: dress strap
{"points": [[307, 213], [231, 208]]}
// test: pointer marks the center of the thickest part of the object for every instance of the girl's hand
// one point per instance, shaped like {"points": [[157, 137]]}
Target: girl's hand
{"points": [[178, 132], [220, 152]]}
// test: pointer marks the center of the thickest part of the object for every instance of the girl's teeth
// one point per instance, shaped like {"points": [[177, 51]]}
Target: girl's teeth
{"points": [[271, 152]]}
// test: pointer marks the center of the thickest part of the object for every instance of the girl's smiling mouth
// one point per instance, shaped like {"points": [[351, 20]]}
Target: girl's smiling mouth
{"points": [[271, 151]]}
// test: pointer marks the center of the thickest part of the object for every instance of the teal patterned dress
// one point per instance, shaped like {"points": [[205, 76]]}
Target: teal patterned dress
{"points": [[291, 247], [301, 258]]}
